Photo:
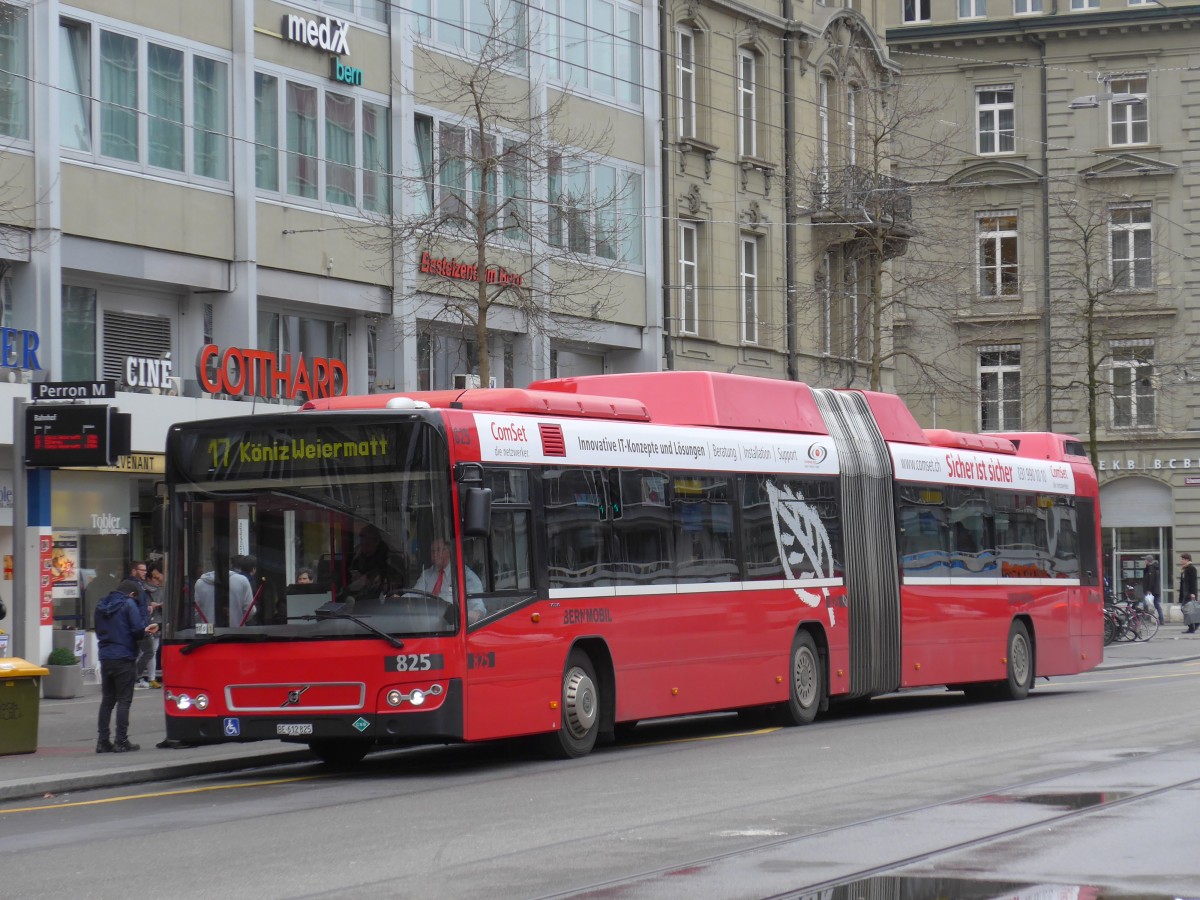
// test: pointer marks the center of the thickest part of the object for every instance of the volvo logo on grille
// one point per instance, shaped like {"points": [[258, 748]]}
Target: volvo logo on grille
{"points": [[293, 697]]}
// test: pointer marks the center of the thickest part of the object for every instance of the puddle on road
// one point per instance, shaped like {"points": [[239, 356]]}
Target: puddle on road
{"points": [[895, 887], [1065, 800]]}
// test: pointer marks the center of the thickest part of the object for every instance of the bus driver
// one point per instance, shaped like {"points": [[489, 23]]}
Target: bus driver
{"points": [[438, 578]]}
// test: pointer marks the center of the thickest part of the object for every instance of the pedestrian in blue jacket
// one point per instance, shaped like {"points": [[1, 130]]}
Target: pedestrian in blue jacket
{"points": [[120, 627]]}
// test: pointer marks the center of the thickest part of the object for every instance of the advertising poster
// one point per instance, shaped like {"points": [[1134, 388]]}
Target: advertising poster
{"points": [[45, 590], [64, 565]]}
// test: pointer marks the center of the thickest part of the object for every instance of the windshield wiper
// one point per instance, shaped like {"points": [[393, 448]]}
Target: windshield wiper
{"points": [[228, 636], [324, 613]]}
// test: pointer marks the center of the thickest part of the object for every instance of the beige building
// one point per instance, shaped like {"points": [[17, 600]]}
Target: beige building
{"points": [[767, 158], [1071, 172], [197, 200]]}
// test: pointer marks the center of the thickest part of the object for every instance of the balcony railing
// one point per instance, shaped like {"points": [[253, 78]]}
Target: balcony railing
{"points": [[852, 194]]}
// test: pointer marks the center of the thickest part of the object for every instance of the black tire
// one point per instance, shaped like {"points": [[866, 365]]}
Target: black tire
{"points": [[1020, 665], [576, 735], [341, 754], [806, 682]]}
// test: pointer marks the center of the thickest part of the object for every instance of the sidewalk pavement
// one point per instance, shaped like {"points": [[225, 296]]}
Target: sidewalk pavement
{"points": [[66, 758]]}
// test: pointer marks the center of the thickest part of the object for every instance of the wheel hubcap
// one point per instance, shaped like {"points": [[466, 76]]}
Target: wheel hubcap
{"points": [[804, 677], [579, 703], [1020, 660]]}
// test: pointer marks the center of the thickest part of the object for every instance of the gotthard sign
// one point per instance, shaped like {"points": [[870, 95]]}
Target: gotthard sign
{"points": [[260, 373]]}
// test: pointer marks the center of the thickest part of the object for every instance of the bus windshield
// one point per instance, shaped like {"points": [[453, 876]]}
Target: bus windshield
{"points": [[315, 528]]}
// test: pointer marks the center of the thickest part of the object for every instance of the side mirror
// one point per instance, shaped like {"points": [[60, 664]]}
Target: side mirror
{"points": [[477, 511]]}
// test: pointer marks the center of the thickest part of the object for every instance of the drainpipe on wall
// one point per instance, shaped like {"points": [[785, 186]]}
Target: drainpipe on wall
{"points": [[789, 220], [665, 164], [1048, 372]]}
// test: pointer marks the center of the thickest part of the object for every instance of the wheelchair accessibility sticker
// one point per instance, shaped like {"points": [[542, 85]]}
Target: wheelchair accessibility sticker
{"points": [[233, 727]]}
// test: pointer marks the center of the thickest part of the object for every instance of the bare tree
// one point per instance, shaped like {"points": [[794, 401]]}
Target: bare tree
{"points": [[1104, 357], [514, 205], [887, 253]]}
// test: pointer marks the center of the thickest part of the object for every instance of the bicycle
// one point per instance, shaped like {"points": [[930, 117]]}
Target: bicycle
{"points": [[1129, 621]]}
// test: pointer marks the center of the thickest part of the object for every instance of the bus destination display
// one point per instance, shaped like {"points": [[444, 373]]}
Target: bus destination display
{"points": [[222, 455]]}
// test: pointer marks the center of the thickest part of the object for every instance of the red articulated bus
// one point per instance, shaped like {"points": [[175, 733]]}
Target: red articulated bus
{"points": [[571, 558]]}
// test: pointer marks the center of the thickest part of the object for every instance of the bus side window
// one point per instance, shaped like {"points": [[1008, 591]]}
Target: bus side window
{"points": [[506, 554]]}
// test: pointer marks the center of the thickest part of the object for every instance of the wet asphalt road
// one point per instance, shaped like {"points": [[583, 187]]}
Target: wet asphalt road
{"points": [[1087, 789]]}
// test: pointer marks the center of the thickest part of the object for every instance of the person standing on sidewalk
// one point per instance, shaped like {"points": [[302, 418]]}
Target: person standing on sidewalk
{"points": [[153, 587], [1187, 593], [120, 625], [1150, 586]]}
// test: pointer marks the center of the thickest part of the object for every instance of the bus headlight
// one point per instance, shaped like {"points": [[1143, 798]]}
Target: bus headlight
{"points": [[185, 701], [416, 697]]}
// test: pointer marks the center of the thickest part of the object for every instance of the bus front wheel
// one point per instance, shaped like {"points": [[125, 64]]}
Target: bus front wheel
{"points": [[807, 682], [576, 735]]}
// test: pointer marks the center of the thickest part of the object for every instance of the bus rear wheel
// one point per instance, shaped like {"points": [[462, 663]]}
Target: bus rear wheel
{"points": [[576, 735], [339, 753], [806, 682], [1020, 665]]}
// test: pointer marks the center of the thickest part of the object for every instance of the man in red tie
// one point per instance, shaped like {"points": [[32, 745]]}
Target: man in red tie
{"points": [[438, 579]]}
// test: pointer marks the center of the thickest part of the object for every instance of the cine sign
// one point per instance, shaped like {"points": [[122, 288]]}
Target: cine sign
{"points": [[57, 436]]}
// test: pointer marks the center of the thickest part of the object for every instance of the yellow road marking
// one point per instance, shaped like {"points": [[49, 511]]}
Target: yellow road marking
{"points": [[155, 794], [707, 737]]}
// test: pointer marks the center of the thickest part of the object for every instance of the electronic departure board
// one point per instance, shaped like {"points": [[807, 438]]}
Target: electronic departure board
{"points": [[61, 435]]}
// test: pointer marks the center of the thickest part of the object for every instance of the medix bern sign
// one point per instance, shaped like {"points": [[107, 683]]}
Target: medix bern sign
{"points": [[327, 35], [258, 373]]}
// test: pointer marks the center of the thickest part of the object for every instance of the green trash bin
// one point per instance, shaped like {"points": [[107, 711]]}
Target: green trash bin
{"points": [[19, 704]]}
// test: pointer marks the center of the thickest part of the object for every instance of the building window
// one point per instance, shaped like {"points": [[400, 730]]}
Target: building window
{"points": [[824, 91], [916, 11], [749, 287], [998, 272], [596, 210], [210, 111], [266, 132], [995, 113], [825, 293], [1027, 7], [119, 96], [1130, 121], [75, 79], [1131, 241], [1133, 395], [370, 10], [184, 102], [499, 25], [78, 333], [14, 71], [852, 125], [464, 188], [334, 146], [1085, 4], [594, 46], [747, 107], [689, 265], [972, 9], [685, 77], [1000, 388]]}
